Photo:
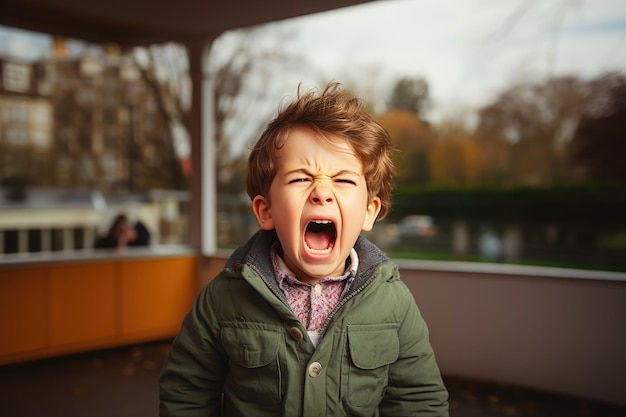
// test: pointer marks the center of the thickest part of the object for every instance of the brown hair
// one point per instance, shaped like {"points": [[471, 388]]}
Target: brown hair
{"points": [[332, 112]]}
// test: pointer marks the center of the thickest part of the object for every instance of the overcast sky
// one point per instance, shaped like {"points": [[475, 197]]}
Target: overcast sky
{"points": [[468, 50]]}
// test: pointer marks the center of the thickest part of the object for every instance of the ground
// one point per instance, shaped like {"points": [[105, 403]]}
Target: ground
{"points": [[123, 382]]}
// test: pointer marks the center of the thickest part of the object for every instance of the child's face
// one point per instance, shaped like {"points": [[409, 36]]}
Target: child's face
{"points": [[318, 203]]}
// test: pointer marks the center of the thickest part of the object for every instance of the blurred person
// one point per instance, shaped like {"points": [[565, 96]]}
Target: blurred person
{"points": [[121, 235], [309, 318]]}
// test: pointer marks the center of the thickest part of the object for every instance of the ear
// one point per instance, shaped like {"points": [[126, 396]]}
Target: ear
{"points": [[261, 209], [373, 208]]}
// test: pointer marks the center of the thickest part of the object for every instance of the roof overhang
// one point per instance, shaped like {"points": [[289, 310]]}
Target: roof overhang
{"points": [[142, 22]]}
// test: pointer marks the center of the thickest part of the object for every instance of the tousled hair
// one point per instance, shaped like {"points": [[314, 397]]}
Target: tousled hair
{"points": [[332, 112]]}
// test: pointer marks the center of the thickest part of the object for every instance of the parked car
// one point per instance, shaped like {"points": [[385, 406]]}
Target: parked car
{"points": [[417, 225]]}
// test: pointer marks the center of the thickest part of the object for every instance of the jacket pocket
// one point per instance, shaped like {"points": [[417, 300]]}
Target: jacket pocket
{"points": [[372, 349], [255, 369]]}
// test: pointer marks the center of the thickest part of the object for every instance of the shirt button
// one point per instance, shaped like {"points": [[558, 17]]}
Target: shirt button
{"points": [[318, 289], [315, 369], [296, 334]]}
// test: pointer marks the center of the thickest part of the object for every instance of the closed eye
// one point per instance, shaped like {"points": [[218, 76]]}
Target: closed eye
{"points": [[296, 180], [346, 181]]}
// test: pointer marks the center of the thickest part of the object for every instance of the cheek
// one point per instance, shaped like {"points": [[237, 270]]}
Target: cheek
{"points": [[285, 213]]}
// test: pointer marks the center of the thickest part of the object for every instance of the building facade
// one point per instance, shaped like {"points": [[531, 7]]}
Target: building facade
{"points": [[88, 126]]}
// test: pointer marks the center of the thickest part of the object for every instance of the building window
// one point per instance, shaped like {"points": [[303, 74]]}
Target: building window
{"points": [[41, 124], [109, 168], [40, 138], [17, 136], [16, 112], [16, 77], [87, 167], [41, 114]]}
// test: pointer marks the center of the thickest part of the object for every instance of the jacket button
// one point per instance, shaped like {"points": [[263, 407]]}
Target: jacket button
{"points": [[315, 369], [296, 334], [238, 267]]}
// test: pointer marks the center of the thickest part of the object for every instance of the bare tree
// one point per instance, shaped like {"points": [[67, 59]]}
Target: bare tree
{"points": [[536, 121], [250, 69], [165, 71], [411, 93], [599, 143]]}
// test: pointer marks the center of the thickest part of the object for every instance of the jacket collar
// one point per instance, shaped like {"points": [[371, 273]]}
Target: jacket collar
{"points": [[256, 254]]}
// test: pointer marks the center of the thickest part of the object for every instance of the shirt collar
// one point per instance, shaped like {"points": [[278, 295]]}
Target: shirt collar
{"points": [[284, 273]]}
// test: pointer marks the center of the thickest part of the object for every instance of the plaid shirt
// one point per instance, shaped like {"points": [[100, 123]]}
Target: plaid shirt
{"points": [[313, 302]]}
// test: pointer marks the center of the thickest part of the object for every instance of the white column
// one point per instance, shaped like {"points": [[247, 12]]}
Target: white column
{"points": [[22, 241], [68, 239], [89, 233], [203, 210], [209, 187], [46, 240]]}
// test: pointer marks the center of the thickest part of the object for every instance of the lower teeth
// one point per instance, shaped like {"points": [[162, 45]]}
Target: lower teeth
{"points": [[320, 251]]}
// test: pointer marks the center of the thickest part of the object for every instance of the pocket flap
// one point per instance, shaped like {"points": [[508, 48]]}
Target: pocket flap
{"points": [[250, 348], [373, 346]]}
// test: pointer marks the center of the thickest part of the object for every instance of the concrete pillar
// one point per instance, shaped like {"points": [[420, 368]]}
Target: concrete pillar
{"points": [[68, 239], [22, 241], [203, 207], [46, 240]]}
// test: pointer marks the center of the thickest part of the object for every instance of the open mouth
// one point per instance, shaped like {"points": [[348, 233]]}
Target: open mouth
{"points": [[320, 236]]}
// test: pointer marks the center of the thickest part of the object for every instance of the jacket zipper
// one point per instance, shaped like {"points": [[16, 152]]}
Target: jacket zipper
{"points": [[345, 300]]}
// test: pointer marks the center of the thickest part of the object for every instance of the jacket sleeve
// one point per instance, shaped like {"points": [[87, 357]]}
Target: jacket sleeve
{"points": [[193, 373], [415, 384]]}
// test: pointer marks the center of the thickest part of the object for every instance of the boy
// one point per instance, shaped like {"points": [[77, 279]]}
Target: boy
{"points": [[309, 318]]}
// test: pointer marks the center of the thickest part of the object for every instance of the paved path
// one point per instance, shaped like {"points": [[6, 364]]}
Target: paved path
{"points": [[124, 383]]}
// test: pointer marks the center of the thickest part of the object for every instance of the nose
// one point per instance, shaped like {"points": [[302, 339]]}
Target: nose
{"points": [[322, 193]]}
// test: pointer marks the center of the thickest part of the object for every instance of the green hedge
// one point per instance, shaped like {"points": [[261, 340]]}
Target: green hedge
{"points": [[594, 205]]}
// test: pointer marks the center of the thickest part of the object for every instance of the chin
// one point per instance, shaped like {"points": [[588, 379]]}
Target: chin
{"points": [[322, 271]]}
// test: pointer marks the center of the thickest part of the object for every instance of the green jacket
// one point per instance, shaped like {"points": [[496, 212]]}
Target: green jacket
{"points": [[241, 351]]}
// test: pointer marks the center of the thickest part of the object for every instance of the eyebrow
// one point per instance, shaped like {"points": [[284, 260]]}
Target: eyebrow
{"points": [[337, 174], [347, 172]]}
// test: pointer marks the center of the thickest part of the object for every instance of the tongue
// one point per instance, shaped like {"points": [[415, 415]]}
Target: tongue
{"points": [[318, 240]]}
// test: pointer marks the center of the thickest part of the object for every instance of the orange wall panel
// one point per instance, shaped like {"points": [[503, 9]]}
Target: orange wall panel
{"points": [[157, 294], [60, 308], [82, 302], [23, 308]]}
